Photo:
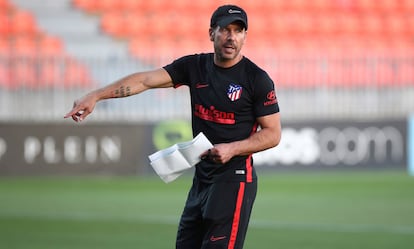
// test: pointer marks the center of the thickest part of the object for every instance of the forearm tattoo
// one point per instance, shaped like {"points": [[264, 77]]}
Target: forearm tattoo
{"points": [[123, 91]]}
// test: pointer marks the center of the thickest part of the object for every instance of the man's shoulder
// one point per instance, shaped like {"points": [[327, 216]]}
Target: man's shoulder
{"points": [[194, 59], [199, 56], [253, 69]]}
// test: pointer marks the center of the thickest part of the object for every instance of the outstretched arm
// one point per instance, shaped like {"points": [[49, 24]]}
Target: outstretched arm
{"points": [[269, 136], [127, 86]]}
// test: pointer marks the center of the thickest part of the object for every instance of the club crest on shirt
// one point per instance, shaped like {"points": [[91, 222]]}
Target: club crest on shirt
{"points": [[234, 92]]}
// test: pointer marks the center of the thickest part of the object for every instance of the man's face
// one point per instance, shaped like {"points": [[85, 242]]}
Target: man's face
{"points": [[228, 41]]}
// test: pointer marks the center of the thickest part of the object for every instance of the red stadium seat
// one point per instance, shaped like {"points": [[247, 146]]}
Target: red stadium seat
{"points": [[405, 73], [23, 73], [131, 5], [76, 74], [5, 48], [50, 72], [5, 73], [24, 47], [86, 5], [6, 5], [407, 6], [23, 23], [5, 30], [114, 24], [108, 5], [333, 31], [50, 46], [135, 25], [397, 25]]}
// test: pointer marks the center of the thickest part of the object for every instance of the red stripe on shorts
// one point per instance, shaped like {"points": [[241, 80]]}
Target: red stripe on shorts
{"points": [[249, 169], [236, 217]]}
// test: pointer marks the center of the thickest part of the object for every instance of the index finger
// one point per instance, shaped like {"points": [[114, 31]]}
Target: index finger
{"points": [[74, 111]]}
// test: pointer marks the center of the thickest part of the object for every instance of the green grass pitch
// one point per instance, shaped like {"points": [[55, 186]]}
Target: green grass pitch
{"points": [[296, 210]]}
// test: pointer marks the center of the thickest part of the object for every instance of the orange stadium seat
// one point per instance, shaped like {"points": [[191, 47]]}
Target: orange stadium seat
{"points": [[131, 5], [407, 6], [5, 75], [50, 46], [371, 24], [5, 63], [108, 5], [410, 25], [24, 47], [5, 29], [327, 30], [405, 73], [396, 25], [23, 73], [319, 6], [5, 5], [23, 23], [157, 6], [135, 25], [114, 24], [31, 58], [75, 74], [86, 5], [5, 48], [50, 72]]}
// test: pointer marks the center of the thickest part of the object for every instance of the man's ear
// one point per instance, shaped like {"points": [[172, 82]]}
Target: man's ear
{"points": [[211, 33]]}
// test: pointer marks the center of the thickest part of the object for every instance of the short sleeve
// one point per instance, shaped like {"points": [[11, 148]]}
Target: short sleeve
{"points": [[179, 70], [265, 100]]}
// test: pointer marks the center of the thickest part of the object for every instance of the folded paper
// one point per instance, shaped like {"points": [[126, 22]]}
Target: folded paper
{"points": [[173, 161]]}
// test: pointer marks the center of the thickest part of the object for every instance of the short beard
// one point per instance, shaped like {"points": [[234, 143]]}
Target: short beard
{"points": [[221, 57]]}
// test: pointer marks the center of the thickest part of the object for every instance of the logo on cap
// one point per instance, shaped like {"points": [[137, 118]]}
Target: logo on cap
{"points": [[232, 11]]}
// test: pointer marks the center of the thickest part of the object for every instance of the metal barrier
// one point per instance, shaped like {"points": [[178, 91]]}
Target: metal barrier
{"points": [[21, 100]]}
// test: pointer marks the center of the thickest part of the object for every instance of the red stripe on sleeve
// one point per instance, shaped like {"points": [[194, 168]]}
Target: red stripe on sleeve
{"points": [[236, 217]]}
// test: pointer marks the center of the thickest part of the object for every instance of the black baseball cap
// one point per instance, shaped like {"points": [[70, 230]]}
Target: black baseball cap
{"points": [[226, 14]]}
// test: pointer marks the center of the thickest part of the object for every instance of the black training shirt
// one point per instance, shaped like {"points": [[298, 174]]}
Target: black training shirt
{"points": [[225, 103]]}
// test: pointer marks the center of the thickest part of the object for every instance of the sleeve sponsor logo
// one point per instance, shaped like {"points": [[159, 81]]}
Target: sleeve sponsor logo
{"points": [[271, 98]]}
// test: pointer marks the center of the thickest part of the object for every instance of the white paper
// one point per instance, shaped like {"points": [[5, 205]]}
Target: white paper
{"points": [[171, 162]]}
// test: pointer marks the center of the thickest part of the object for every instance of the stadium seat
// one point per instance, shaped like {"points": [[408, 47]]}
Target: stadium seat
{"points": [[131, 5], [31, 58], [5, 48], [323, 6], [136, 25], [6, 5], [405, 73], [113, 23], [397, 25], [50, 46], [5, 73], [50, 72], [75, 74], [24, 47], [104, 6], [5, 30], [23, 23], [382, 72], [371, 24], [23, 73], [90, 6], [407, 6], [325, 30]]}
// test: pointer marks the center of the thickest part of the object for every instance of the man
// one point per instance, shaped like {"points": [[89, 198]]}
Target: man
{"points": [[231, 99]]}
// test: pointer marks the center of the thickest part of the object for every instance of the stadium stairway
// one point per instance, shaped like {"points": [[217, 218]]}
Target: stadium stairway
{"points": [[80, 32], [82, 38]]}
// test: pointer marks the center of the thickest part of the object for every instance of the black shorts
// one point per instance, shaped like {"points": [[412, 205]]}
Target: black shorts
{"points": [[216, 215]]}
